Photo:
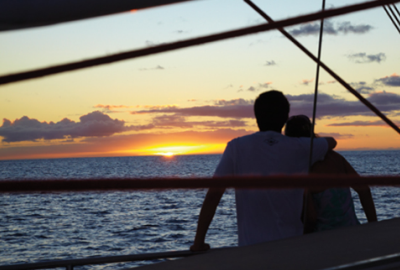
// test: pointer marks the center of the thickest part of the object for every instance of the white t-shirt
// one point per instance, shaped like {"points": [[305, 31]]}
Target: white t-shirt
{"points": [[266, 215]]}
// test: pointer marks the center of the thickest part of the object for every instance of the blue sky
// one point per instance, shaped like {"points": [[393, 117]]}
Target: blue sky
{"points": [[360, 47]]}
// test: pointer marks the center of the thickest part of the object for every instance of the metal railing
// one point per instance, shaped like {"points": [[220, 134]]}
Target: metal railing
{"points": [[70, 264]]}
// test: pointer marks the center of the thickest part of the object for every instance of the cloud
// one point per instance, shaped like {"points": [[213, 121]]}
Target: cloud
{"points": [[110, 108], [158, 67], [236, 108], [332, 106], [258, 87], [181, 31], [392, 80], [361, 58], [306, 82], [330, 28], [336, 135], [233, 102], [170, 121], [362, 87], [328, 106], [265, 85], [347, 27], [118, 144], [94, 124], [378, 123], [270, 63]]}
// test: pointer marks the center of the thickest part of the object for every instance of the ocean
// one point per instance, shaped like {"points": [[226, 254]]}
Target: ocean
{"points": [[50, 226]]}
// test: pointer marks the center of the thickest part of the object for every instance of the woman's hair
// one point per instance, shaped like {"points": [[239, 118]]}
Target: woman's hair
{"points": [[298, 126]]}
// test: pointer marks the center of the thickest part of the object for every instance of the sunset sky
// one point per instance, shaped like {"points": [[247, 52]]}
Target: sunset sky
{"points": [[194, 100]]}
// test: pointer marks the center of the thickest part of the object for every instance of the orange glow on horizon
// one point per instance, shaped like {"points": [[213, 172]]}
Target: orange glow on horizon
{"points": [[172, 150]]}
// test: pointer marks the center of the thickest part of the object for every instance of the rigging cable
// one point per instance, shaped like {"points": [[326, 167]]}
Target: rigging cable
{"points": [[390, 17], [394, 14], [321, 30], [325, 67], [394, 6], [306, 191]]}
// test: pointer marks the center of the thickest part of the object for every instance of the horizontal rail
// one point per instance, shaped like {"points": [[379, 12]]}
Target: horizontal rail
{"points": [[100, 260], [391, 261], [121, 184], [5, 79]]}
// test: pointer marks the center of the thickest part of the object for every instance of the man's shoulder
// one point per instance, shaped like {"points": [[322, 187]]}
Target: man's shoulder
{"points": [[245, 138]]}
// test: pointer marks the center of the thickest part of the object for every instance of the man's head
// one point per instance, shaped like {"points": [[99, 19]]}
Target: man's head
{"points": [[271, 109]]}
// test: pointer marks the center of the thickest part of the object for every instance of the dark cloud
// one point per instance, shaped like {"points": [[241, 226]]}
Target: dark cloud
{"points": [[270, 63], [337, 136], [378, 123], [392, 80], [330, 28], [330, 106], [258, 87], [362, 87], [367, 58], [224, 111], [94, 124], [171, 121], [232, 102]]}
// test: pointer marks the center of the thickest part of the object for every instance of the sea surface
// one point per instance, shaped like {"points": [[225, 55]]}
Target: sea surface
{"points": [[38, 227]]}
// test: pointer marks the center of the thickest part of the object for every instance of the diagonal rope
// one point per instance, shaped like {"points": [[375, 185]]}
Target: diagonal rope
{"points": [[390, 17], [321, 30], [394, 14], [5, 79], [327, 69], [394, 6]]}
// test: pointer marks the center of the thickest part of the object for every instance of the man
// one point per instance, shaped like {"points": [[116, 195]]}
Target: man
{"points": [[264, 215]]}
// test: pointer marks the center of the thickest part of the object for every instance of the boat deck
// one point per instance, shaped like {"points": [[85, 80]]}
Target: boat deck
{"points": [[314, 251]]}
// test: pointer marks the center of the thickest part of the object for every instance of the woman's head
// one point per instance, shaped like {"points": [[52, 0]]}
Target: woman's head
{"points": [[298, 126]]}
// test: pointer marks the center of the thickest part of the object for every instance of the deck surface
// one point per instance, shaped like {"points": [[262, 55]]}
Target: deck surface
{"points": [[313, 251]]}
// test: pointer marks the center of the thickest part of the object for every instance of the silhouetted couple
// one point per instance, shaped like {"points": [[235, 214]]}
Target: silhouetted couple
{"points": [[266, 214]]}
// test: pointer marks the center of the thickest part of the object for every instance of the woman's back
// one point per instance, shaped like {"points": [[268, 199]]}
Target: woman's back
{"points": [[334, 206]]}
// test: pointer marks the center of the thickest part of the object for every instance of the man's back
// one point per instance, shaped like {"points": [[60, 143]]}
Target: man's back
{"points": [[266, 215]]}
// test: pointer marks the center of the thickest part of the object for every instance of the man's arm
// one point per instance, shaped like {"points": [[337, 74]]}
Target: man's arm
{"points": [[206, 215], [331, 142], [364, 193]]}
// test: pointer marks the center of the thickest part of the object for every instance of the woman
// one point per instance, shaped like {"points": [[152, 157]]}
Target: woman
{"points": [[330, 208]]}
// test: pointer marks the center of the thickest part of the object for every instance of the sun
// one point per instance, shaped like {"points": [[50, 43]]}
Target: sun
{"points": [[168, 154]]}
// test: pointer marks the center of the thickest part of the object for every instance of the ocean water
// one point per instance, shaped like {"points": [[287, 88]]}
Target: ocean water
{"points": [[48, 226]]}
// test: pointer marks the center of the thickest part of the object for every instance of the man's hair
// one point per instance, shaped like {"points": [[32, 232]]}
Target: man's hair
{"points": [[271, 109], [298, 126]]}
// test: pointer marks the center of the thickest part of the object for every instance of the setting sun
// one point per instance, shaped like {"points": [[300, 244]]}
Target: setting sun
{"points": [[173, 150], [168, 154]]}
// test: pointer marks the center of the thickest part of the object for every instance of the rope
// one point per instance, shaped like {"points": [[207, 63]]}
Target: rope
{"points": [[129, 184], [394, 14], [190, 42], [390, 17], [327, 69], [321, 30], [394, 6]]}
